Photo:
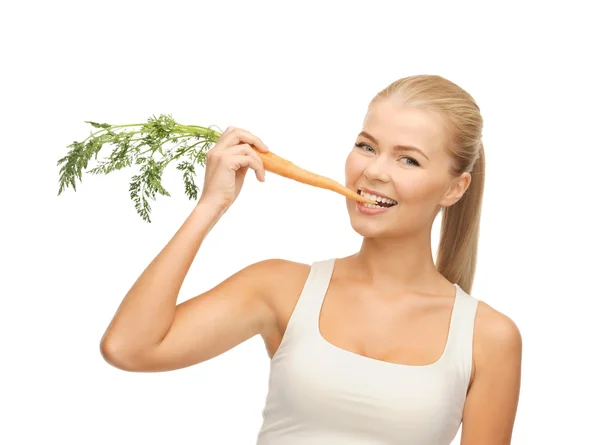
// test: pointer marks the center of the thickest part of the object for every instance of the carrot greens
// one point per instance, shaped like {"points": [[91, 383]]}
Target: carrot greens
{"points": [[186, 145], [140, 144]]}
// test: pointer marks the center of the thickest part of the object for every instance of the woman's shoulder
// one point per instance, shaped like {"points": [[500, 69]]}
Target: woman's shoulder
{"points": [[280, 268], [279, 276], [496, 337], [493, 326], [281, 281]]}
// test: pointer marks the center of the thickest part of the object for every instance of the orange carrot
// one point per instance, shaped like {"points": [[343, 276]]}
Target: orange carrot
{"points": [[283, 167]]}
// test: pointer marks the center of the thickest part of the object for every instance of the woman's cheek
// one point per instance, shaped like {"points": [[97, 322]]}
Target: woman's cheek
{"points": [[351, 163], [355, 167], [410, 190]]}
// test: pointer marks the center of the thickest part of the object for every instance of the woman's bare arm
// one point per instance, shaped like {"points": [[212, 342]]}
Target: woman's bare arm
{"points": [[149, 332], [491, 405]]}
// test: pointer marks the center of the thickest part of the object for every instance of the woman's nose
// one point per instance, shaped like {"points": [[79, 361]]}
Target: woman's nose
{"points": [[377, 171]]}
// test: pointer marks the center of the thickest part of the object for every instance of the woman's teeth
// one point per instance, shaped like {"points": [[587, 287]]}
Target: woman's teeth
{"points": [[384, 201]]}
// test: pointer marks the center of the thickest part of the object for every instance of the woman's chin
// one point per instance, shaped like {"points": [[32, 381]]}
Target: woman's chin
{"points": [[367, 228]]}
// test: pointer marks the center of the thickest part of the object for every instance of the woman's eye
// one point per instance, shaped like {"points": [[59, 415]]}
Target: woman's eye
{"points": [[362, 145], [412, 161]]}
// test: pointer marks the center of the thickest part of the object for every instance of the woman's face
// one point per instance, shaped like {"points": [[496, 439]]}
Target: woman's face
{"points": [[418, 181]]}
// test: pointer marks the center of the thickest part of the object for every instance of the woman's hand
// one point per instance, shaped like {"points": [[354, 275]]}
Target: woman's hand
{"points": [[227, 163]]}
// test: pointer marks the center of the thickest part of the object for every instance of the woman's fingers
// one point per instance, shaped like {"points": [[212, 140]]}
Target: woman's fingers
{"points": [[244, 160], [237, 136]]}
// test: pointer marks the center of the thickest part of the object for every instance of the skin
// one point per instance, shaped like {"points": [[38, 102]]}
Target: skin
{"points": [[396, 248], [386, 302]]}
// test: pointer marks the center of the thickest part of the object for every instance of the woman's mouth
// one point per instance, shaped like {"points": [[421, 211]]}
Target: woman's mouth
{"points": [[382, 202], [372, 209]]}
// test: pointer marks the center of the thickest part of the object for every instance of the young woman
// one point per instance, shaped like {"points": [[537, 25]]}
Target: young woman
{"points": [[380, 347]]}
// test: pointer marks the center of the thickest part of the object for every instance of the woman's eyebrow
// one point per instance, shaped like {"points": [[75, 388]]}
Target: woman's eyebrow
{"points": [[396, 147]]}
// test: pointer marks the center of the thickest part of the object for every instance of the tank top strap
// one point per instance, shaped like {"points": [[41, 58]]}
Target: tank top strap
{"points": [[308, 306], [460, 336]]}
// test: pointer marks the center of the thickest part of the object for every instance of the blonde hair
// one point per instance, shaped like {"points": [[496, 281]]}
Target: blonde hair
{"points": [[457, 249]]}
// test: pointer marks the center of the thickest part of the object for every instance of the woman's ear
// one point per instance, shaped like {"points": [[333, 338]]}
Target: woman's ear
{"points": [[456, 190]]}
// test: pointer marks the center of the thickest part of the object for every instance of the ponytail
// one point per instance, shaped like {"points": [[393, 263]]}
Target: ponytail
{"points": [[457, 250]]}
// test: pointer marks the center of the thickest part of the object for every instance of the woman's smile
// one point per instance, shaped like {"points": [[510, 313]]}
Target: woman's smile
{"points": [[372, 209]]}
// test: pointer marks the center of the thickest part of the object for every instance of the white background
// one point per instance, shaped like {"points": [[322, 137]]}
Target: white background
{"points": [[298, 75]]}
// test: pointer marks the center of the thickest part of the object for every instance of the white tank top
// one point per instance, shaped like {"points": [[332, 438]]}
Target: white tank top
{"points": [[320, 394]]}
